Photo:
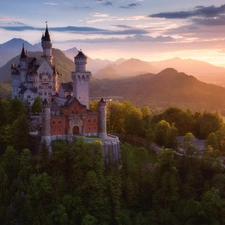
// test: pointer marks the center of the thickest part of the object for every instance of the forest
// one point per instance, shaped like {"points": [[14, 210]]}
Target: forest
{"points": [[74, 186]]}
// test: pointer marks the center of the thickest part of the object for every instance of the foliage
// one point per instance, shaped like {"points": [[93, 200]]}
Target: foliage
{"points": [[37, 105], [72, 185]]}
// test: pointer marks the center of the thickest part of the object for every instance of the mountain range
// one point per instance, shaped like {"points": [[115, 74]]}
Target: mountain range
{"points": [[122, 68], [140, 82]]}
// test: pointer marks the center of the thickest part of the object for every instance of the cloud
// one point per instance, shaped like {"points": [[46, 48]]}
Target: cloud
{"points": [[108, 3], [8, 20], [51, 3], [18, 28], [215, 21], [80, 8], [68, 3], [123, 26], [198, 11], [132, 5], [134, 38], [5, 19], [100, 15], [81, 30]]}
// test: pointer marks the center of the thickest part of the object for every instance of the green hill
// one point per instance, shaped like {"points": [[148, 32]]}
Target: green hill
{"points": [[63, 64], [167, 88]]}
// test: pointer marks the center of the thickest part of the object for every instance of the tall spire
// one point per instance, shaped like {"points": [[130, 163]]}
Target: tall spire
{"points": [[47, 45], [23, 54], [46, 37]]}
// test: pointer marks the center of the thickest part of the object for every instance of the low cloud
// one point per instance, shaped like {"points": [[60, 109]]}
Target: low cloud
{"points": [[81, 30], [216, 21], [80, 8], [198, 11], [123, 26], [51, 3], [100, 15], [108, 3], [134, 38], [132, 5]]}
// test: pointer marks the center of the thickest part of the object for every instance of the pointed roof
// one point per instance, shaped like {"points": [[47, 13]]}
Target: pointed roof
{"points": [[23, 54], [46, 36], [80, 55], [67, 86]]}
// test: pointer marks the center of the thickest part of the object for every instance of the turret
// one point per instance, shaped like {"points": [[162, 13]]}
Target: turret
{"points": [[81, 79], [102, 118], [80, 61], [46, 122], [47, 46]]}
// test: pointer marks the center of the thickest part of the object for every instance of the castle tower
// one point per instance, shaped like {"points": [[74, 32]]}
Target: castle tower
{"points": [[81, 79], [102, 118], [46, 120], [47, 46], [15, 81], [23, 66]]}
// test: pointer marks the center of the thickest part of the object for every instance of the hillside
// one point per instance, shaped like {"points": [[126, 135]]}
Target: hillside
{"points": [[64, 65], [167, 88]]}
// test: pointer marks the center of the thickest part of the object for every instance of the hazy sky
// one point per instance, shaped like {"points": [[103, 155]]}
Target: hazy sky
{"points": [[110, 29]]}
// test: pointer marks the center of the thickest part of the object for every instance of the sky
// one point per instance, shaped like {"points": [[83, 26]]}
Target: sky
{"points": [[150, 30]]}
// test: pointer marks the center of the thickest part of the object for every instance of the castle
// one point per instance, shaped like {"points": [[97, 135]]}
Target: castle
{"points": [[65, 108]]}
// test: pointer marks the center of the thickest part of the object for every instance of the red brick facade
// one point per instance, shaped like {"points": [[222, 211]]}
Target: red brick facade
{"points": [[74, 119]]}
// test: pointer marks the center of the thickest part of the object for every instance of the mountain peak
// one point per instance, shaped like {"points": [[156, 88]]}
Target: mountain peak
{"points": [[168, 71], [13, 42]]}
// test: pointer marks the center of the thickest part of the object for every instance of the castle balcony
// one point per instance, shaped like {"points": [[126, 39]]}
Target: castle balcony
{"points": [[45, 81]]}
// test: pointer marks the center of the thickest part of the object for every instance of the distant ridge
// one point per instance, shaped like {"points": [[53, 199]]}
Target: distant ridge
{"points": [[123, 68], [13, 47], [167, 88], [93, 65], [202, 70], [128, 68]]}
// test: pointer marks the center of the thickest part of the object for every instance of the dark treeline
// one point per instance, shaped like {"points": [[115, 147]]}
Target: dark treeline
{"points": [[73, 186]]}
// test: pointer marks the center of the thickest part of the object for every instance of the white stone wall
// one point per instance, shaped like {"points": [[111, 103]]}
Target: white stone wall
{"points": [[81, 87]]}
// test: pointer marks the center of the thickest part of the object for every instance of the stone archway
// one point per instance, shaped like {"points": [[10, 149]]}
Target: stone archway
{"points": [[75, 130]]}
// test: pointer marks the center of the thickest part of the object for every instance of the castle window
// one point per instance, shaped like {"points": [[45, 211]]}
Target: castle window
{"points": [[59, 122], [53, 121], [28, 96], [40, 87]]}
